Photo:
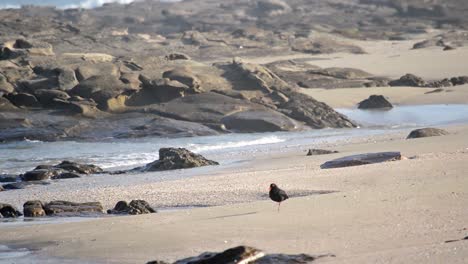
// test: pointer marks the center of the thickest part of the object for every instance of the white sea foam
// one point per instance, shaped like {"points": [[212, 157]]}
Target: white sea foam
{"points": [[64, 4], [96, 3], [235, 144]]}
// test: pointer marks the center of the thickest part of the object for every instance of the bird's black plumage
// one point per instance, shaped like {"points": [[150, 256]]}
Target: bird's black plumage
{"points": [[276, 194]]}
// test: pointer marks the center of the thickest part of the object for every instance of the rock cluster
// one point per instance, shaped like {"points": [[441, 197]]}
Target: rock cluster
{"points": [[415, 81], [375, 102], [135, 207], [177, 158]]}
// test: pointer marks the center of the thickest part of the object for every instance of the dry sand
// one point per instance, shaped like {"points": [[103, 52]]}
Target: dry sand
{"points": [[398, 212]]}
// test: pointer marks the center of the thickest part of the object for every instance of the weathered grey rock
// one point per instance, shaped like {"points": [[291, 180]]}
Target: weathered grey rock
{"points": [[134, 208], [9, 211], [441, 83], [39, 175], [65, 208], [5, 86], [66, 175], [313, 152], [409, 80], [185, 76], [78, 168], [177, 158], [361, 159], [375, 102], [46, 96], [177, 56], [23, 100], [24, 48], [427, 132], [87, 71], [33, 209], [23, 185], [158, 91], [258, 121]]}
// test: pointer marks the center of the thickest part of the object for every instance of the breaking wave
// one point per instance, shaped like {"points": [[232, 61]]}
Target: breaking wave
{"points": [[64, 4], [235, 144]]}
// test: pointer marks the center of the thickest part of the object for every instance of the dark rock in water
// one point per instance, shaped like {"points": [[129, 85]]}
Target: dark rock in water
{"points": [[375, 102], [246, 254], [8, 178], [427, 132], [78, 168], [361, 159], [39, 175], [23, 99], [23, 185], [33, 209], [8, 211], [460, 80], [313, 152], [409, 80], [177, 158], [134, 208], [177, 56], [258, 121], [65, 175], [64, 208]]}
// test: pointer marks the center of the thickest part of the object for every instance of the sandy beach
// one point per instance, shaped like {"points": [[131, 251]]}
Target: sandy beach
{"points": [[396, 212]]}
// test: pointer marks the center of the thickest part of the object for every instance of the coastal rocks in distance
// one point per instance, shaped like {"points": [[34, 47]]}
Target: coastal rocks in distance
{"points": [[361, 159], [314, 152], [177, 158], [78, 168], [135, 207], [375, 102], [65, 208], [427, 132], [408, 80], [246, 254], [9, 211], [33, 209]]}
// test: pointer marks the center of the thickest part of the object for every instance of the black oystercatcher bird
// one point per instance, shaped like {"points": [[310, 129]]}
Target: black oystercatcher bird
{"points": [[277, 195]]}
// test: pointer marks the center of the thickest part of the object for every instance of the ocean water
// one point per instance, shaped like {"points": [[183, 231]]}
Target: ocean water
{"points": [[17, 157], [64, 4]]}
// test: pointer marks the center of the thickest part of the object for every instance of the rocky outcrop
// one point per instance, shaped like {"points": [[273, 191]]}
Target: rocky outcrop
{"points": [[460, 80], [375, 102], [246, 254], [23, 99], [158, 91], [324, 46], [185, 76], [33, 209], [65, 175], [427, 132], [22, 48], [39, 175], [361, 159], [65, 208], [314, 152], [78, 168], [9, 211], [177, 158], [135, 207]]}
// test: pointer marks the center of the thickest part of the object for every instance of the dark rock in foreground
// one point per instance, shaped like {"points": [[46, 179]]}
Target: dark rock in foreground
{"points": [[177, 158], [23, 185], [64, 208], [39, 175], [33, 209], [361, 159], [375, 102], [427, 132], [8, 178], [313, 152], [246, 254], [8, 211], [134, 208]]}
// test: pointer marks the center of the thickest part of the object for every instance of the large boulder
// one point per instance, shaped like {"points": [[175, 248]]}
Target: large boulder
{"points": [[78, 168], [361, 159], [46, 96], [177, 158], [62, 78], [33, 209], [87, 71], [9, 211], [427, 132], [100, 89], [409, 80], [158, 91], [65, 208], [22, 48], [375, 102], [39, 175], [135, 207], [258, 121]]}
